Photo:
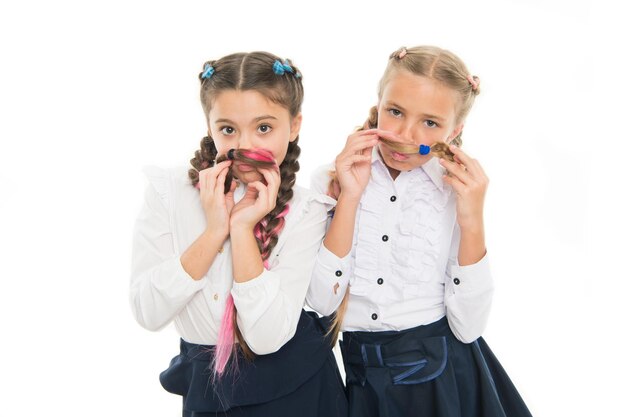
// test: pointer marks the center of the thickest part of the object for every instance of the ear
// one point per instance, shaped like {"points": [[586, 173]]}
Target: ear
{"points": [[296, 123], [455, 132]]}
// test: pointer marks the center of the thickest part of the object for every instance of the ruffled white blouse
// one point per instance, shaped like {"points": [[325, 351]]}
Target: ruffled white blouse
{"points": [[268, 306], [403, 270]]}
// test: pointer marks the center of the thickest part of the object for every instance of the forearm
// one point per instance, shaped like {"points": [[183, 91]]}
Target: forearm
{"points": [[339, 236], [247, 262], [472, 244], [199, 257]]}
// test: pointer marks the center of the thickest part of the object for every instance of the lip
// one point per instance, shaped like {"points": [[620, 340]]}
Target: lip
{"points": [[400, 157], [241, 167]]}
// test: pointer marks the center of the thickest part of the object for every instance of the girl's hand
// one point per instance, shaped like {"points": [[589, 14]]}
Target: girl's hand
{"points": [[353, 165], [259, 200], [216, 205], [470, 184]]}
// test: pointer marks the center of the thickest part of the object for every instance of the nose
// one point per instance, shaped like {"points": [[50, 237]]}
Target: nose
{"points": [[408, 132], [245, 141]]}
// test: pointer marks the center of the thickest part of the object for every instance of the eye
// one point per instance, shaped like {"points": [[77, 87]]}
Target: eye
{"points": [[430, 123], [394, 112], [227, 130], [264, 129]]}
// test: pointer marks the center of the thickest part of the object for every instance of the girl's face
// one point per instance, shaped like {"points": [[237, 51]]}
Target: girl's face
{"points": [[248, 119], [421, 111]]}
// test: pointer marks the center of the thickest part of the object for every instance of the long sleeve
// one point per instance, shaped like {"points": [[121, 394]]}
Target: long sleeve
{"points": [[468, 295], [269, 306], [329, 281], [331, 274], [159, 286]]}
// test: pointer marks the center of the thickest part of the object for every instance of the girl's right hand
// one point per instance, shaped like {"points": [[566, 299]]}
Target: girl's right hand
{"points": [[354, 164], [216, 205]]}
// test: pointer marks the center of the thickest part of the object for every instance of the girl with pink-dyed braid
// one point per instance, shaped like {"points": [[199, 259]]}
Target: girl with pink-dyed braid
{"points": [[226, 249]]}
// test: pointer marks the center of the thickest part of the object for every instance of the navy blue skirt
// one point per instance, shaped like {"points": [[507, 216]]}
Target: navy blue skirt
{"points": [[301, 379], [427, 372]]}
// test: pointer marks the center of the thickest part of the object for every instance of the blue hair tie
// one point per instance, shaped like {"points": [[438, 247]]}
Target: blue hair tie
{"points": [[424, 149], [208, 71], [280, 68]]}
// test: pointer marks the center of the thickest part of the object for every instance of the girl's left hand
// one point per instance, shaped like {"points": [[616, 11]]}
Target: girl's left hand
{"points": [[258, 200], [470, 182]]}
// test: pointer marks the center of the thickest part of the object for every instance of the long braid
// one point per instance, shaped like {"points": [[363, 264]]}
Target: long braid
{"points": [[281, 82], [268, 229]]}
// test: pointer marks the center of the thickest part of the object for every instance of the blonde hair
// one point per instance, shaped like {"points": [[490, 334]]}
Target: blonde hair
{"points": [[430, 62], [440, 65]]}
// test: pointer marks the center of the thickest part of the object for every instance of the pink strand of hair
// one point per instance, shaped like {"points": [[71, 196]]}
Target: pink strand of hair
{"points": [[226, 347]]}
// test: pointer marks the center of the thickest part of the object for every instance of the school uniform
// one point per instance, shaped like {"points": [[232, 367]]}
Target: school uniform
{"points": [[411, 334], [294, 367]]}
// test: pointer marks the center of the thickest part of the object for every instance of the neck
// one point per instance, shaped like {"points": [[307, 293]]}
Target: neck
{"points": [[393, 172]]}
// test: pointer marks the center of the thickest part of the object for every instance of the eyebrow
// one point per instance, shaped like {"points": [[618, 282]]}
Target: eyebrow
{"points": [[428, 116], [256, 119], [267, 116]]}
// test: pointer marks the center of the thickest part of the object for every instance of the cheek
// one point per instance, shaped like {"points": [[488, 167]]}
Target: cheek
{"points": [[221, 147], [386, 122]]}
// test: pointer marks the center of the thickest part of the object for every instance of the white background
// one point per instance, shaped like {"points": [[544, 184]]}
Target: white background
{"points": [[90, 92]]}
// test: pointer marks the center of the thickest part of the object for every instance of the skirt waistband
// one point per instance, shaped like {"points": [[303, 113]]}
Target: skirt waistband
{"points": [[383, 349]]}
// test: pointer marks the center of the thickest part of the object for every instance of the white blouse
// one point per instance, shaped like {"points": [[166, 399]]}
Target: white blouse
{"points": [[402, 269], [268, 306]]}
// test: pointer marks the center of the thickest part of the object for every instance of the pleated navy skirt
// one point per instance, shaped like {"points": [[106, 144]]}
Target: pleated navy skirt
{"points": [[301, 379], [426, 372]]}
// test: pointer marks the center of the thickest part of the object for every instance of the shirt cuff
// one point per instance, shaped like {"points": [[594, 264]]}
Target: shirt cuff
{"points": [[471, 278], [339, 267], [257, 293]]}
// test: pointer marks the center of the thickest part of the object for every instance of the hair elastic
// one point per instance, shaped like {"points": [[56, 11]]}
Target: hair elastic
{"points": [[281, 67], [208, 71], [474, 82], [402, 53]]}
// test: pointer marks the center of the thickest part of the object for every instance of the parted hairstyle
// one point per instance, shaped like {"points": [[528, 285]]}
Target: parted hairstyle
{"points": [[430, 62], [254, 71]]}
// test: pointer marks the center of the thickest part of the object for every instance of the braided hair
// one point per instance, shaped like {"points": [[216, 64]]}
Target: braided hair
{"points": [[280, 82], [431, 62]]}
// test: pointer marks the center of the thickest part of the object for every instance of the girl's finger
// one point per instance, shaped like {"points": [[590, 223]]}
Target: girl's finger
{"points": [[457, 170], [455, 183], [355, 137], [219, 182], [272, 178], [355, 159], [365, 142], [212, 173], [392, 136], [463, 158]]}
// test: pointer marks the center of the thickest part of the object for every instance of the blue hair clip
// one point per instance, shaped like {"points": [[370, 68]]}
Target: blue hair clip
{"points": [[424, 149], [208, 71], [280, 68]]}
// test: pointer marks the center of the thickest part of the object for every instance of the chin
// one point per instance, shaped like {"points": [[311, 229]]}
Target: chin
{"points": [[247, 177]]}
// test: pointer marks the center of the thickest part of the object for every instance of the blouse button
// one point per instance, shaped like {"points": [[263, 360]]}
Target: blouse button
{"points": [[374, 316], [392, 198], [385, 238], [380, 281], [456, 281], [338, 273]]}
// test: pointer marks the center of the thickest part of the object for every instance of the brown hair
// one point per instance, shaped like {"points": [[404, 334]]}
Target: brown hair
{"points": [[437, 64], [254, 71]]}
